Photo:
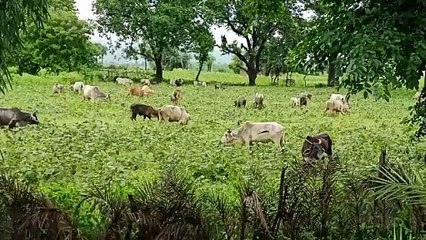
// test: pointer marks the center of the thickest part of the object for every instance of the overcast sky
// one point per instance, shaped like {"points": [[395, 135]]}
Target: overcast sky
{"points": [[85, 12]]}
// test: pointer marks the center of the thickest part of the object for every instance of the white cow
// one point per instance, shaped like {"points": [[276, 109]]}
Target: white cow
{"points": [[256, 132], [77, 87], [123, 81], [295, 101], [337, 106], [170, 113], [341, 97], [94, 93]]}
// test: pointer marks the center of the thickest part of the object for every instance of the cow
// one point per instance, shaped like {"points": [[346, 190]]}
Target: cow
{"points": [[15, 117], [250, 132], [136, 91], [303, 98], [240, 102], [337, 106], [258, 101], [94, 93], [147, 91], [177, 82], [295, 101], [143, 110], [123, 81], [219, 86], [197, 83], [316, 147], [58, 88], [176, 96], [343, 98], [146, 82], [290, 81], [77, 87], [204, 84], [170, 113]]}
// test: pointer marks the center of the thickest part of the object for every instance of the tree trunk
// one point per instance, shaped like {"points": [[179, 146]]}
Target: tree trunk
{"points": [[331, 80], [252, 77], [158, 68], [199, 71]]}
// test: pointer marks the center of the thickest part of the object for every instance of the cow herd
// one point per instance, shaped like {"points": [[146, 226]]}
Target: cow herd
{"points": [[314, 147]]}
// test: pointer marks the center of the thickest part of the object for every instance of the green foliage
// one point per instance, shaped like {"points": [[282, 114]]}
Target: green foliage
{"points": [[62, 45], [150, 28], [256, 22], [15, 15], [236, 65]]}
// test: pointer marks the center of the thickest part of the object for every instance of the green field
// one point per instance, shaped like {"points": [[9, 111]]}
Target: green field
{"points": [[81, 143]]}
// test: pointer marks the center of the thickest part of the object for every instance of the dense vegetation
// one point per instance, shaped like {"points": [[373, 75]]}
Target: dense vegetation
{"points": [[88, 171]]}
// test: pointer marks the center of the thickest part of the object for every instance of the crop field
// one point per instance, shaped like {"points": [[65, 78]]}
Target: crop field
{"points": [[80, 143]]}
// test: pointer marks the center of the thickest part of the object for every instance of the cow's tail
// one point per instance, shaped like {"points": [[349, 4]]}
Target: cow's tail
{"points": [[282, 139]]}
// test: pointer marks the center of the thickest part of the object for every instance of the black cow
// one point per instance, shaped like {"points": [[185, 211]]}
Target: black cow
{"points": [[143, 110], [316, 147], [14, 116]]}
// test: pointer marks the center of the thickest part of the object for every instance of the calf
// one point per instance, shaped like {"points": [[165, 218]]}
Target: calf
{"points": [[58, 88], [147, 90], [340, 97], [177, 82], [303, 98], [170, 113], [143, 110], [240, 102], [258, 101], [316, 147], [294, 101], [256, 132], [176, 96], [15, 117], [136, 91]]}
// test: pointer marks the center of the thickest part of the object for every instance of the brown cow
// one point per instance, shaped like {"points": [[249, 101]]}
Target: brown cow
{"points": [[176, 96], [143, 110], [136, 91], [240, 102], [316, 147]]}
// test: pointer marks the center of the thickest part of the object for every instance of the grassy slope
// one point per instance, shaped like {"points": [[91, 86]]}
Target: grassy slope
{"points": [[83, 142]]}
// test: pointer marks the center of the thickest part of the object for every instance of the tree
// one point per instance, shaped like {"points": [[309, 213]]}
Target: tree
{"points": [[256, 22], [236, 65], [104, 51], [203, 44], [16, 16], [62, 45], [382, 44], [149, 28]]}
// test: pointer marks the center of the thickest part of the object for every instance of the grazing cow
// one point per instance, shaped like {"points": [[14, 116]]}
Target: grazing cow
{"points": [[123, 81], [219, 86], [143, 110], [136, 91], [58, 88], [295, 101], [303, 98], [256, 132], [77, 87], [337, 106], [197, 83], [204, 84], [316, 147], [343, 98], [147, 91], [146, 82], [240, 102], [15, 117], [94, 93], [170, 113], [258, 101], [176, 96]]}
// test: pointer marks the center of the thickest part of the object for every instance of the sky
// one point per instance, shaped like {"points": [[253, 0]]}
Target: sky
{"points": [[85, 12]]}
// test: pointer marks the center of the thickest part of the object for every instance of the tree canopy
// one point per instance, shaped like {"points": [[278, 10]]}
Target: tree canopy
{"points": [[15, 15], [149, 28]]}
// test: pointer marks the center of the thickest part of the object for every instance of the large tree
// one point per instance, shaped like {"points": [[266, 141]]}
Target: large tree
{"points": [[382, 44], [149, 28], [16, 14], [202, 45], [255, 21], [62, 45]]}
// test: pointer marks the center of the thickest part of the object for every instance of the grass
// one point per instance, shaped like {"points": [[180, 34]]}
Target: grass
{"points": [[79, 143]]}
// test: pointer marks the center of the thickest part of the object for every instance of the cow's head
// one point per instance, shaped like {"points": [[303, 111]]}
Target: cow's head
{"points": [[229, 137], [33, 118], [314, 149]]}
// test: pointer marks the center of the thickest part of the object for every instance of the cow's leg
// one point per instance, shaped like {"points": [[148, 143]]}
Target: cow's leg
{"points": [[12, 123], [133, 117]]}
